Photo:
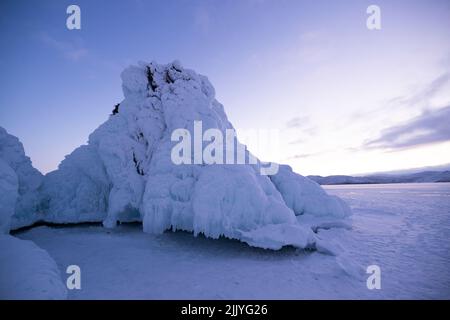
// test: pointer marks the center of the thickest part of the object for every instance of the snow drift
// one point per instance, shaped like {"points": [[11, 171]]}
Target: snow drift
{"points": [[27, 271], [125, 172], [19, 183]]}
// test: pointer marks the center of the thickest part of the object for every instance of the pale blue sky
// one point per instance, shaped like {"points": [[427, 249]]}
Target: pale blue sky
{"points": [[346, 99]]}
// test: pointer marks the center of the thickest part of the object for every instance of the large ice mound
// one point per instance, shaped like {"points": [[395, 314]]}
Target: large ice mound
{"points": [[125, 172]]}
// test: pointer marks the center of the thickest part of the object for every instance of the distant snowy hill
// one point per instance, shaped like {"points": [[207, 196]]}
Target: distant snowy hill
{"points": [[424, 176], [438, 168]]}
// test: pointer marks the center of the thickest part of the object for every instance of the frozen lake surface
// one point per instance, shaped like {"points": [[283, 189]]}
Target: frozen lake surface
{"points": [[402, 228], [405, 229]]}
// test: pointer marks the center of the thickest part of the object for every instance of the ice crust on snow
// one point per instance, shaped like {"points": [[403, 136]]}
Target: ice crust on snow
{"points": [[125, 172], [28, 272], [19, 183]]}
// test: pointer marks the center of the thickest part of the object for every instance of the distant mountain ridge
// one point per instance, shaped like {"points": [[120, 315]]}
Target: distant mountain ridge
{"points": [[441, 167], [423, 176]]}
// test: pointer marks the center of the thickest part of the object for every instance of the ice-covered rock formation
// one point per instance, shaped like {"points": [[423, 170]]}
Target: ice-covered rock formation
{"points": [[19, 183], [126, 172]]}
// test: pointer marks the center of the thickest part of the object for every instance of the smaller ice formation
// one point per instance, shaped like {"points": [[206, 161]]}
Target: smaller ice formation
{"points": [[19, 183]]}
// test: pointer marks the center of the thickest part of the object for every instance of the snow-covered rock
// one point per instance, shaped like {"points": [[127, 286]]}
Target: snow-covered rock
{"points": [[18, 180], [126, 172], [28, 272]]}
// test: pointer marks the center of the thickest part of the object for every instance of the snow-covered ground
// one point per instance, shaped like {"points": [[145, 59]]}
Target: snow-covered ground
{"points": [[405, 229], [402, 228]]}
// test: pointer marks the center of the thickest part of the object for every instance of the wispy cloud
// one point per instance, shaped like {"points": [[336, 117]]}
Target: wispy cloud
{"points": [[299, 127], [424, 95], [297, 141], [303, 156], [202, 19], [418, 99], [297, 122], [72, 50], [431, 126]]}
